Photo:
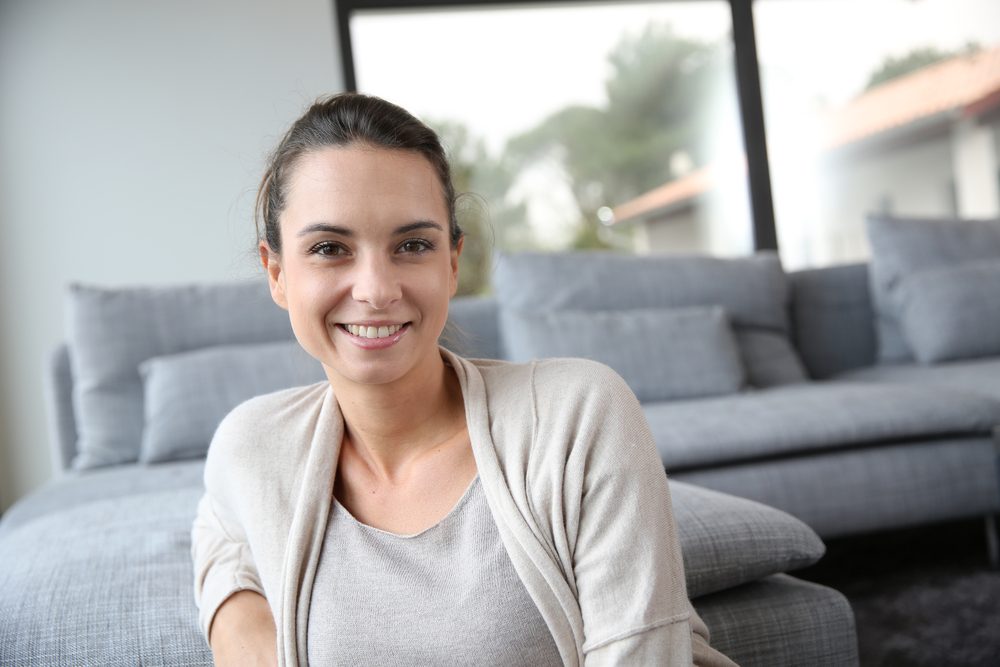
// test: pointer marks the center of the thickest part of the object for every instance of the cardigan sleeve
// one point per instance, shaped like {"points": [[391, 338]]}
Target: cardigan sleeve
{"points": [[220, 551], [223, 563], [627, 564]]}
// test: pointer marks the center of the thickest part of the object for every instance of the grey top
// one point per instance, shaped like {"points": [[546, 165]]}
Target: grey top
{"points": [[448, 595]]}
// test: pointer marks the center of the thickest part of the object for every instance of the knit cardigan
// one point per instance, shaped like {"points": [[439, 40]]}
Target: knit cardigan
{"points": [[571, 475]]}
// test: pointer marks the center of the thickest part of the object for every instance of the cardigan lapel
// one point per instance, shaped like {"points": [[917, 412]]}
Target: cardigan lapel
{"points": [[307, 531]]}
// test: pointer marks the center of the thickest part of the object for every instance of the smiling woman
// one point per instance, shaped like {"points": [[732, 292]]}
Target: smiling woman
{"points": [[418, 507]]}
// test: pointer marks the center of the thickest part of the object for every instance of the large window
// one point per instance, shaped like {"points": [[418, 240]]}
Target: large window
{"points": [[578, 125], [585, 125], [877, 107]]}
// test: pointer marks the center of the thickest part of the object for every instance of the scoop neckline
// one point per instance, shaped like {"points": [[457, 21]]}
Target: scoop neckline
{"points": [[456, 508]]}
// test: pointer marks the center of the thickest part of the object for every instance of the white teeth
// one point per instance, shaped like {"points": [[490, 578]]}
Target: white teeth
{"points": [[372, 332]]}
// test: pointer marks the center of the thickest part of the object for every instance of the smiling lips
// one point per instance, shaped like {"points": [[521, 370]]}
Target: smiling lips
{"points": [[372, 332], [374, 337]]}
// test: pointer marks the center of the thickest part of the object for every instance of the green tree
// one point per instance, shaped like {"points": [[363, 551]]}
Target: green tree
{"points": [[613, 153], [893, 67], [483, 208]]}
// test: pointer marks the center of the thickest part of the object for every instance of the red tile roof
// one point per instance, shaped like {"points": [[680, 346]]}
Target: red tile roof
{"points": [[967, 85], [958, 84]]}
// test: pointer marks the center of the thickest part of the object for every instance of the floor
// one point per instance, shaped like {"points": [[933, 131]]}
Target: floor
{"points": [[921, 597]]}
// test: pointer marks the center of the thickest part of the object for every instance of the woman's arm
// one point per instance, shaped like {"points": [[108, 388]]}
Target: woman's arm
{"points": [[243, 631], [235, 616], [627, 563]]}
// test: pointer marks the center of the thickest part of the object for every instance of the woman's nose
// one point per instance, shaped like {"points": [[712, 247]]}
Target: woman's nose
{"points": [[376, 282]]}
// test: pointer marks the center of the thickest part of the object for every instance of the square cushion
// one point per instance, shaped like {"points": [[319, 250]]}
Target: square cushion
{"points": [[186, 395], [753, 291], [113, 330], [952, 313], [662, 353], [727, 541], [902, 247]]}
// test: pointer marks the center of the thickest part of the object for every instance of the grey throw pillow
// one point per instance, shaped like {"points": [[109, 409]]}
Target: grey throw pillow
{"points": [[728, 541], [113, 330], [662, 353], [901, 247], [952, 313], [753, 291], [186, 395]]}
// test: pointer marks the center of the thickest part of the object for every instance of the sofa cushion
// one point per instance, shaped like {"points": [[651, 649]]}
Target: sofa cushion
{"points": [[186, 395], [981, 376], [662, 353], [953, 312], [473, 330], [728, 541], [902, 247], [753, 291], [833, 325], [113, 330], [810, 418]]}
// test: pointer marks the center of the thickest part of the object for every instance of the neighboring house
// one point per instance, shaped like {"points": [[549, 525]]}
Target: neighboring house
{"points": [[925, 144]]}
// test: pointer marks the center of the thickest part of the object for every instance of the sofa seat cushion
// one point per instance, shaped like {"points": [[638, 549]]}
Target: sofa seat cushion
{"points": [[108, 483], [727, 541], [810, 417], [981, 376]]}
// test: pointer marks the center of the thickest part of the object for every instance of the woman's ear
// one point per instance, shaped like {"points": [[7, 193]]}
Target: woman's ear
{"points": [[275, 277], [455, 254]]}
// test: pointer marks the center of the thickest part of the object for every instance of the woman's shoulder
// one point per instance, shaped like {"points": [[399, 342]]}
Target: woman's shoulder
{"points": [[552, 382], [281, 404], [258, 420], [565, 374]]}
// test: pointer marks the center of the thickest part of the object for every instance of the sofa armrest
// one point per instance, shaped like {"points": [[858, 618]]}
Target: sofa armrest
{"points": [[59, 408]]}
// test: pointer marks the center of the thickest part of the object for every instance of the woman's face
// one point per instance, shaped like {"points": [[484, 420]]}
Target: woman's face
{"points": [[366, 268]]}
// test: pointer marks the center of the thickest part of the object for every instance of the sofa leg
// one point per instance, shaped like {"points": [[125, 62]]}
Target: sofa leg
{"points": [[992, 541]]}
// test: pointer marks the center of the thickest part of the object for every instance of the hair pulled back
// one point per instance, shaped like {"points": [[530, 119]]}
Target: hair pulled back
{"points": [[342, 120]]}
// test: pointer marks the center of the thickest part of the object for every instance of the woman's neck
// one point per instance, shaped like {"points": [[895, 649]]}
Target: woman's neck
{"points": [[391, 426]]}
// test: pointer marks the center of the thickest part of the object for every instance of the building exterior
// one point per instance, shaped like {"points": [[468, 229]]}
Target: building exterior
{"points": [[924, 145]]}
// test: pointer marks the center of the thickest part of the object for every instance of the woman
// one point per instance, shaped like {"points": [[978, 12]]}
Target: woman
{"points": [[420, 508]]}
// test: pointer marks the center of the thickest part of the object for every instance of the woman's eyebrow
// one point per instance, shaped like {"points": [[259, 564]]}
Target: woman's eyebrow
{"points": [[326, 228], [420, 224]]}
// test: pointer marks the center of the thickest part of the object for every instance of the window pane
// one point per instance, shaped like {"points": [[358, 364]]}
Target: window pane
{"points": [[888, 106], [561, 117]]}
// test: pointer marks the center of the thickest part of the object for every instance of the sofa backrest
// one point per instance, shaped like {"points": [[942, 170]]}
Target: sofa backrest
{"points": [[833, 324], [472, 332]]}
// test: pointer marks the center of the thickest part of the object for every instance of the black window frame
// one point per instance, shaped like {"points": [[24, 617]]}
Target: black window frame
{"points": [[765, 235]]}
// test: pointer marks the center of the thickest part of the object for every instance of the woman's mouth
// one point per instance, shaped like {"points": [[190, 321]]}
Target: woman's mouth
{"points": [[363, 331], [374, 337]]}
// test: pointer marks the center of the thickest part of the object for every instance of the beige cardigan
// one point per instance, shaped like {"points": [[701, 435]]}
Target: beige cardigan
{"points": [[571, 475]]}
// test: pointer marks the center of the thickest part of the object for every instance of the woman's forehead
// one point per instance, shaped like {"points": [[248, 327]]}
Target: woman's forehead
{"points": [[361, 182]]}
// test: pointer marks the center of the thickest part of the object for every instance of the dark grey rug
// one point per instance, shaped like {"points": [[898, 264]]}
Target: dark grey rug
{"points": [[921, 597]]}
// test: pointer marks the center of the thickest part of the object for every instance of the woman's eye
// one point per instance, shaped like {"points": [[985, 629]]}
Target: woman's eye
{"points": [[416, 246], [328, 249]]}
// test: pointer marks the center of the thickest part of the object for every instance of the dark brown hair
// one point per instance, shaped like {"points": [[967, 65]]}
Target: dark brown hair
{"points": [[347, 119]]}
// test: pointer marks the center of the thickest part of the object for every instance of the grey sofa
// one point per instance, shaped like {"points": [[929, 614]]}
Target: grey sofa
{"points": [[844, 443], [95, 566], [857, 398]]}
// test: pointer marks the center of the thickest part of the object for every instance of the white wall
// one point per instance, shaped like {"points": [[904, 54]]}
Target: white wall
{"points": [[132, 136]]}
